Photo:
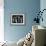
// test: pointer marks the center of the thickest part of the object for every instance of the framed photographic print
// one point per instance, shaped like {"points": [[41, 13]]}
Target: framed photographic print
{"points": [[17, 19]]}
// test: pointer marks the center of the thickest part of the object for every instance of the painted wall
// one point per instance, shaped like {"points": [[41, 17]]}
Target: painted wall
{"points": [[43, 6], [26, 7]]}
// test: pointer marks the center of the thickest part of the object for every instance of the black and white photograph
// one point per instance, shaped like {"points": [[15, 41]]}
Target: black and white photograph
{"points": [[17, 19]]}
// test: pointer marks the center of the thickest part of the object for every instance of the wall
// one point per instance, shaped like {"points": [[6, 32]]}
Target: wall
{"points": [[26, 7], [43, 6]]}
